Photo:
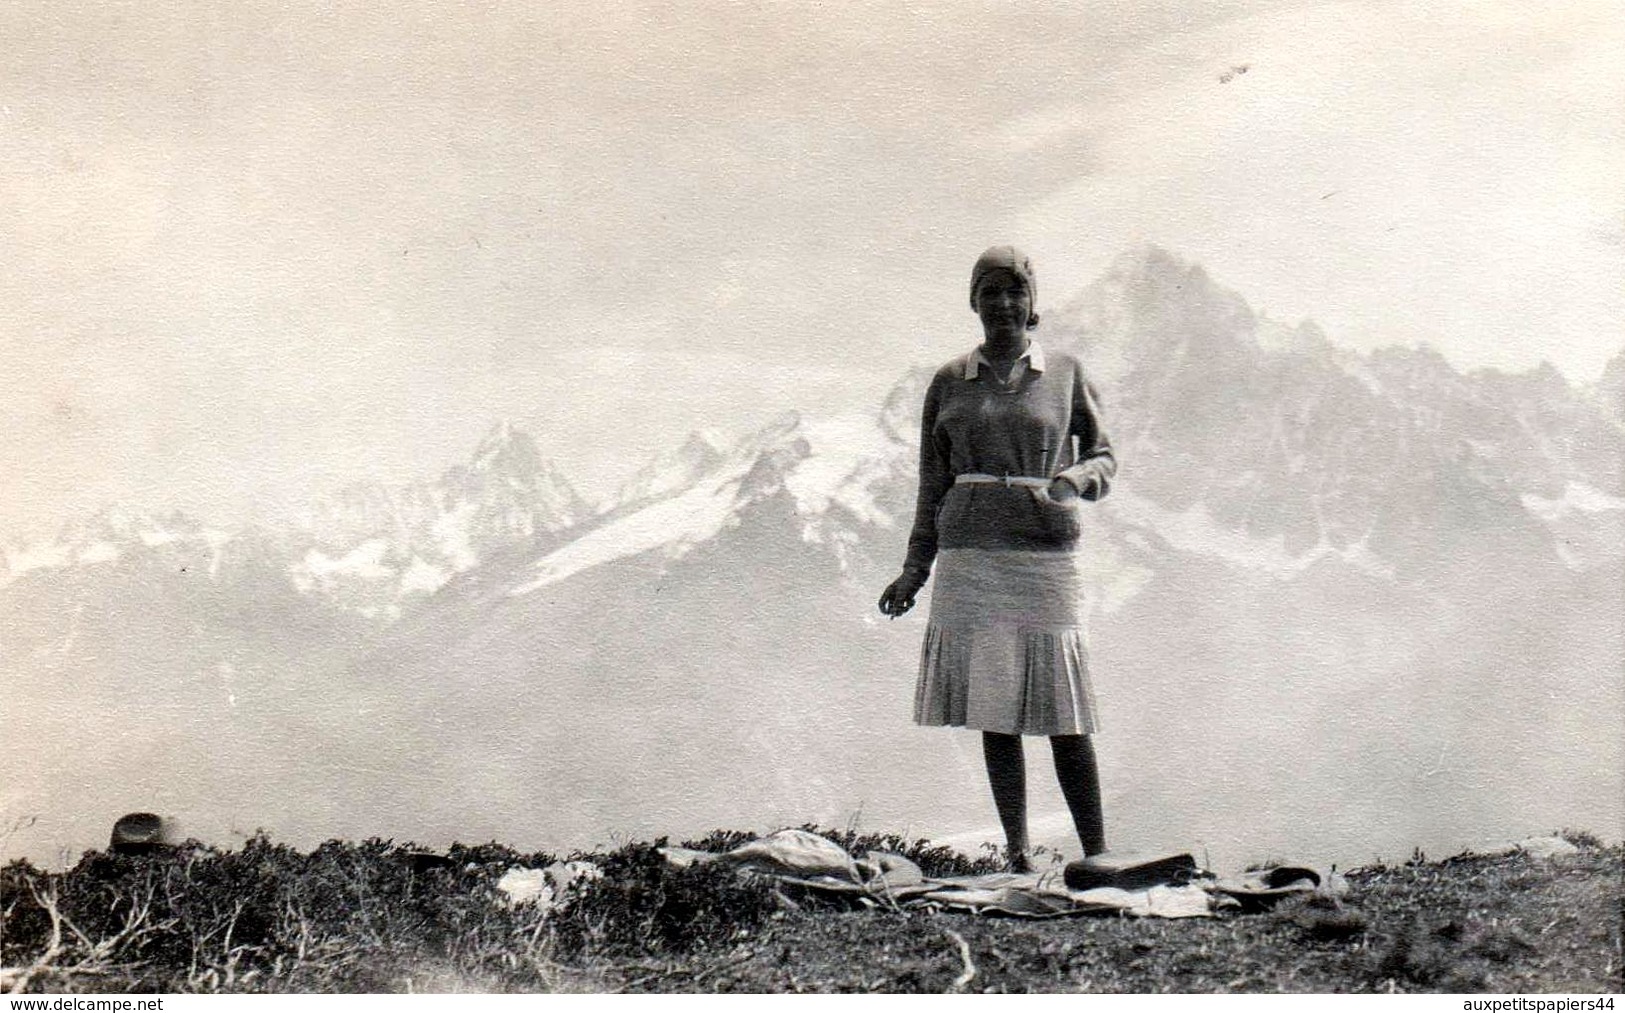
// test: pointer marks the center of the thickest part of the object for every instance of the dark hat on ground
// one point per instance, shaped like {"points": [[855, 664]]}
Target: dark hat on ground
{"points": [[137, 834]]}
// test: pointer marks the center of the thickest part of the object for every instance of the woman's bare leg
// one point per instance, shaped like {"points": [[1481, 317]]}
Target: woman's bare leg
{"points": [[1007, 773], [1079, 775]]}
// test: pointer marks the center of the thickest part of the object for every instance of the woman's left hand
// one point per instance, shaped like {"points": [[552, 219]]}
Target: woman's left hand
{"points": [[1062, 491]]}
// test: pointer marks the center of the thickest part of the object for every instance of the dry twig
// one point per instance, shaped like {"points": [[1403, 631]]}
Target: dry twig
{"points": [[964, 955]]}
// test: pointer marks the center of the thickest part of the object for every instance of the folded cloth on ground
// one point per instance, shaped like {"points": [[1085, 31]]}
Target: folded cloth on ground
{"points": [[547, 888], [808, 860], [785, 853], [1257, 889]]}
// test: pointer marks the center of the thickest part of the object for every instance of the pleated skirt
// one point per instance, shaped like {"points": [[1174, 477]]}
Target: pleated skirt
{"points": [[1005, 647]]}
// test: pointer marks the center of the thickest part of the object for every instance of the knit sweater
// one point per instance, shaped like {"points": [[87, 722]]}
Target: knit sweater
{"points": [[1044, 422]]}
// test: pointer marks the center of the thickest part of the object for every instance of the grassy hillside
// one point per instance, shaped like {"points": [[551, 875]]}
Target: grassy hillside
{"points": [[377, 916]]}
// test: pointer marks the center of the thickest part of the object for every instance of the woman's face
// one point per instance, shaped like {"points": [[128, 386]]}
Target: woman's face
{"points": [[1002, 301]]}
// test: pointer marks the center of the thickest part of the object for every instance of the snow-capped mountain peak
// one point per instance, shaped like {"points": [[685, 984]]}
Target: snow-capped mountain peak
{"points": [[509, 452], [128, 523], [516, 491], [753, 470], [106, 536], [375, 544], [1609, 390], [1153, 309], [667, 474]]}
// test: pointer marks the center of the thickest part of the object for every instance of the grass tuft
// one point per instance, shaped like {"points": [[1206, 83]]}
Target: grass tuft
{"points": [[1585, 840]]}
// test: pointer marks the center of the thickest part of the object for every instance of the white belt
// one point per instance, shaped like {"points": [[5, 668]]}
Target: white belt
{"points": [[977, 478]]}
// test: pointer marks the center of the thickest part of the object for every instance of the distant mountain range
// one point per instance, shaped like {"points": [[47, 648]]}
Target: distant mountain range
{"points": [[1340, 600]]}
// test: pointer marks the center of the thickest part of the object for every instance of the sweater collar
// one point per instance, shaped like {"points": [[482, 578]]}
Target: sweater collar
{"points": [[976, 360]]}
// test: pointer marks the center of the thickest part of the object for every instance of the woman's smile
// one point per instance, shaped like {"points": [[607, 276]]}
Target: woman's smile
{"points": [[1003, 302]]}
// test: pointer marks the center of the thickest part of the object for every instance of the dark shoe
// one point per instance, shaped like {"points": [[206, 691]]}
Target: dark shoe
{"points": [[1130, 871]]}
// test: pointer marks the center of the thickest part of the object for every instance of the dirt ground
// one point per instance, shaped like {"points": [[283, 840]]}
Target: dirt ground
{"points": [[377, 917]]}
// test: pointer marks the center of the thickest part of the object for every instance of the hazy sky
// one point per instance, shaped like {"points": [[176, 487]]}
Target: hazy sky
{"points": [[254, 253]]}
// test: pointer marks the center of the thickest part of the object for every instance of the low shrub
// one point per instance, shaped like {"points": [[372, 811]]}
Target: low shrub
{"points": [[642, 905], [343, 917]]}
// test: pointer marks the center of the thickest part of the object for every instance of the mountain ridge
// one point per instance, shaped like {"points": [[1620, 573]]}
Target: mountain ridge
{"points": [[1145, 326]]}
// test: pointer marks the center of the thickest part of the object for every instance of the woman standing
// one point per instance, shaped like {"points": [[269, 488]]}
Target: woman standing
{"points": [[1011, 445]]}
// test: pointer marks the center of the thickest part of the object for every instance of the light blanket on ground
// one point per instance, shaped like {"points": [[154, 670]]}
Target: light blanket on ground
{"points": [[804, 859]]}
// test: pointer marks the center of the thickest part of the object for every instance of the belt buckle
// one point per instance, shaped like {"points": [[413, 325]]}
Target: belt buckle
{"points": [[1007, 483]]}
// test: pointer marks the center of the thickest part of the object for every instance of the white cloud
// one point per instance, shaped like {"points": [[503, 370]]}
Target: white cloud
{"points": [[1445, 173]]}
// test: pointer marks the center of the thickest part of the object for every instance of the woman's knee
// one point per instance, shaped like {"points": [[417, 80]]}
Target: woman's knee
{"points": [[999, 742]]}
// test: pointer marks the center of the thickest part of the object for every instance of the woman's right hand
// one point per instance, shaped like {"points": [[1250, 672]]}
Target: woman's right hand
{"points": [[898, 597]]}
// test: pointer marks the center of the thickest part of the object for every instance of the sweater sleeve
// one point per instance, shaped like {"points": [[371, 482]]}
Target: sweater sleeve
{"points": [[935, 479], [1096, 465]]}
